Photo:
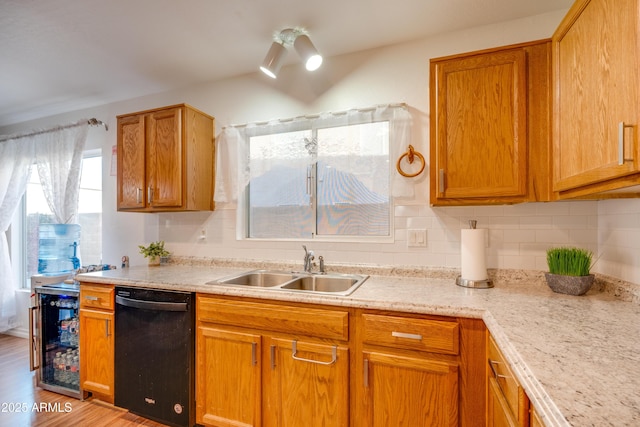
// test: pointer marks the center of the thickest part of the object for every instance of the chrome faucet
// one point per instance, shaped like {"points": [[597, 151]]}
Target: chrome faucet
{"points": [[308, 259]]}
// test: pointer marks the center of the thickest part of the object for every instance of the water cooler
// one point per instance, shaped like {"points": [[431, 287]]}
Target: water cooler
{"points": [[58, 249], [54, 316]]}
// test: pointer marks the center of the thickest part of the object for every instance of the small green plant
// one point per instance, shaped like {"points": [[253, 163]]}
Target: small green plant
{"points": [[569, 261], [155, 249]]}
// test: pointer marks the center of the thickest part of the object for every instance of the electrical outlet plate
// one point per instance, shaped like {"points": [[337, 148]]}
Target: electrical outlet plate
{"points": [[416, 238]]}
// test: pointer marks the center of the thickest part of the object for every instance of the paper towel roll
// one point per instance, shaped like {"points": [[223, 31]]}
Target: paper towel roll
{"points": [[473, 256]]}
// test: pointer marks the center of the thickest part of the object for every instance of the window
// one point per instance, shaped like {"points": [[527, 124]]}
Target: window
{"points": [[322, 177], [36, 211]]}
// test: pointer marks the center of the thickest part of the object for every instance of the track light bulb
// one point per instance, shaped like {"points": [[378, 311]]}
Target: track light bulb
{"points": [[273, 61], [307, 51]]}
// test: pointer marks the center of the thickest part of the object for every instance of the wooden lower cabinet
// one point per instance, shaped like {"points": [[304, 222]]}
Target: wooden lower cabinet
{"points": [[278, 370], [228, 382], [420, 371], [507, 403], [269, 364], [534, 420], [498, 412], [307, 384], [97, 341], [409, 391]]}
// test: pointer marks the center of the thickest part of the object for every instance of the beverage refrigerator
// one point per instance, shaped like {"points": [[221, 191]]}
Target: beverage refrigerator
{"points": [[54, 328]]}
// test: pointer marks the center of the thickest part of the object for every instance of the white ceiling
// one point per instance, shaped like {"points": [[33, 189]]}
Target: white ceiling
{"points": [[63, 55]]}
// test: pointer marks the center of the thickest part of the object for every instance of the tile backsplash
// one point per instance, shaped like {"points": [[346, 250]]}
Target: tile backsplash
{"points": [[518, 236], [619, 239]]}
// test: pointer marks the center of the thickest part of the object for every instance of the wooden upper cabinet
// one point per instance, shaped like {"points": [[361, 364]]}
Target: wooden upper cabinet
{"points": [[490, 126], [131, 162], [166, 160], [595, 73]]}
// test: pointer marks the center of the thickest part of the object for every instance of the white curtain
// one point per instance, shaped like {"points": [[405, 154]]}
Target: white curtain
{"points": [[59, 160], [232, 169], [58, 153], [228, 144], [16, 157]]}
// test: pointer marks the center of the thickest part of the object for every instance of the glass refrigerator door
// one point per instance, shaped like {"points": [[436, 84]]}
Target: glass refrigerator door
{"points": [[59, 357]]}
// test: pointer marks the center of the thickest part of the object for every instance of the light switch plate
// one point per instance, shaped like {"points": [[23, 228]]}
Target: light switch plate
{"points": [[416, 238]]}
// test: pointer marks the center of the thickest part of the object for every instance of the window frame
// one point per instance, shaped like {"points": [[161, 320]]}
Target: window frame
{"points": [[314, 123]]}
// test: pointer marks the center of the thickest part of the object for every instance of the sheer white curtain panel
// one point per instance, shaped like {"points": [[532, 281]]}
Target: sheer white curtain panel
{"points": [[59, 160], [58, 153], [16, 157], [233, 172]]}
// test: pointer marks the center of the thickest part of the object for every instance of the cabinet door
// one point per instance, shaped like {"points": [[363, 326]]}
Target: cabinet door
{"points": [[479, 126], [165, 157], [409, 391], [595, 51], [535, 420], [306, 384], [131, 162], [97, 350], [228, 380], [499, 414]]}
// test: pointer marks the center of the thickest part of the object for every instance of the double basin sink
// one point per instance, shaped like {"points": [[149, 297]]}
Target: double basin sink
{"points": [[329, 283]]}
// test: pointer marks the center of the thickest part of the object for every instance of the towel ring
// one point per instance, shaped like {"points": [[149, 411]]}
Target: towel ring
{"points": [[410, 156]]}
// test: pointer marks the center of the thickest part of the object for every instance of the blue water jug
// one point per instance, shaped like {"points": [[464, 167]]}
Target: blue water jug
{"points": [[58, 248]]}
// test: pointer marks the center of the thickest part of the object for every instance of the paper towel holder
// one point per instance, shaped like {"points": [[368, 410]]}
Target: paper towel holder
{"points": [[478, 284], [468, 283]]}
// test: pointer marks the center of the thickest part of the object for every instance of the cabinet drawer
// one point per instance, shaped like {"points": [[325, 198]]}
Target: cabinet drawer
{"points": [[280, 318], [436, 336], [97, 296], [507, 382]]}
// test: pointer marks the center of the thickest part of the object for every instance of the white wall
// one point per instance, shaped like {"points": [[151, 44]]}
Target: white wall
{"points": [[619, 239], [518, 235]]}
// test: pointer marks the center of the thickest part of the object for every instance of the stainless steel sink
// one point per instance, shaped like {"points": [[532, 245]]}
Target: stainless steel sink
{"points": [[259, 278], [332, 283]]}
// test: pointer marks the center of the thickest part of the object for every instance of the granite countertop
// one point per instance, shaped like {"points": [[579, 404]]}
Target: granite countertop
{"points": [[578, 358]]}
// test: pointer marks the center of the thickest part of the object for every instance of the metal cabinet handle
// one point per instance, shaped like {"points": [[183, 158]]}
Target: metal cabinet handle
{"points": [[34, 344], [106, 327], [294, 351], [366, 373], [254, 358], [493, 369], [91, 298], [149, 195], [273, 357], [417, 337], [621, 128], [138, 195], [441, 180]]}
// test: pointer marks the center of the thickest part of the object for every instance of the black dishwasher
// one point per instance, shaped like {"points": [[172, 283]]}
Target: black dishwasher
{"points": [[154, 354]]}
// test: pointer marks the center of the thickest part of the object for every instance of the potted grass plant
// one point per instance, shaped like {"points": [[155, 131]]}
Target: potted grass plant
{"points": [[155, 252], [569, 270]]}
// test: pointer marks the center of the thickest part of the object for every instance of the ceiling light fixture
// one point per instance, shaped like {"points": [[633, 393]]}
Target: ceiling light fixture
{"points": [[273, 61], [299, 39]]}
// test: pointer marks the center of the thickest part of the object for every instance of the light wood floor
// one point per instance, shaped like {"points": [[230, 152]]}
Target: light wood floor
{"points": [[18, 390]]}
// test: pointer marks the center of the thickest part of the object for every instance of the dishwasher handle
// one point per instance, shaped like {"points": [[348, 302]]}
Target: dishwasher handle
{"points": [[151, 305]]}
